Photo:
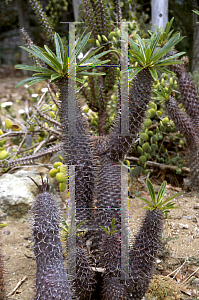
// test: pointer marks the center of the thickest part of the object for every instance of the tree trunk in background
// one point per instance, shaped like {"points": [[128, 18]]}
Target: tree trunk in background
{"points": [[22, 7], [159, 13], [195, 49], [75, 8]]}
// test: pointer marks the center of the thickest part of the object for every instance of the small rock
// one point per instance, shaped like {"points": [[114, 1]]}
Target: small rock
{"points": [[187, 217], [7, 232], [183, 226], [196, 206], [195, 220]]}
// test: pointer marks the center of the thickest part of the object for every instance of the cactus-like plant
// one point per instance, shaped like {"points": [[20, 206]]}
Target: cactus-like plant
{"points": [[51, 277]]}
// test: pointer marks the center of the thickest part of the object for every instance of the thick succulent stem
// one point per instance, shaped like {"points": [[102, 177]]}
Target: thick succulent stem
{"points": [[78, 153], [186, 126], [142, 256], [189, 99], [51, 277], [80, 263], [139, 97]]}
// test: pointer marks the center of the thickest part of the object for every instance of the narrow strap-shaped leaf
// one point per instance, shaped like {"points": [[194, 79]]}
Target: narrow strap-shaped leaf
{"points": [[91, 73], [54, 61], [165, 70], [170, 198], [92, 58], [55, 76], [138, 57], [142, 46], [112, 224], [169, 62], [24, 81], [155, 42], [145, 200], [49, 51], [40, 56], [81, 44], [137, 70], [148, 55], [171, 57], [151, 190], [153, 73], [33, 68], [38, 79], [59, 48], [161, 192], [167, 47]]}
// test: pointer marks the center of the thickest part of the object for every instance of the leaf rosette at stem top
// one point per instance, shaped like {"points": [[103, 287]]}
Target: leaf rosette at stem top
{"points": [[150, 53], [62, 64], [159, 203]]}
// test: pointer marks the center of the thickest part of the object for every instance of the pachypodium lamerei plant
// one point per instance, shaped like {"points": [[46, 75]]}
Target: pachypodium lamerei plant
{"points": [[82, 153]]}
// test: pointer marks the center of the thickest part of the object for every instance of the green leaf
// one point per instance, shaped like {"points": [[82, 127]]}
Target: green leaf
{"points": [[24, 81], [59, 48], [112, 224], [145, 200], [164, 70], [155, 42], [137, 70], [167, 47], [153, 73], [82, 43], [170, 198], [33, 68], [40, 56], [148, 55], [50, 52], [142, 46], [91, 73], [161, 191], [54, 61], [81, 223], [55, 77], [38, 79], [151, 190], [168, 62]]}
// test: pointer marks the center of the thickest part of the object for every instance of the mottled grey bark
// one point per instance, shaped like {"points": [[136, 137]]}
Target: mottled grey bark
{"points": [[159, 13]]}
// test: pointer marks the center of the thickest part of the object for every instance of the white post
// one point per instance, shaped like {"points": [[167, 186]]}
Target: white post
{"points": [[159, 13]]}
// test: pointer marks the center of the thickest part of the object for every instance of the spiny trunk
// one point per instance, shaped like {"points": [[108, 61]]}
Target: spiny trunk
{"points": [[78, 152], [139, 97], [187, 128], [142, 256], [51, 277]]}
